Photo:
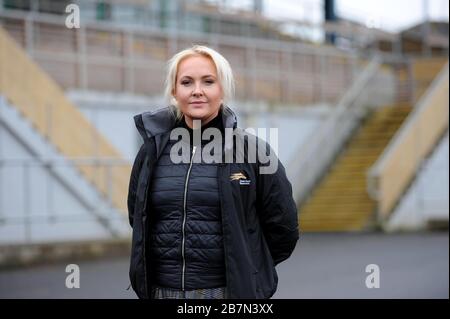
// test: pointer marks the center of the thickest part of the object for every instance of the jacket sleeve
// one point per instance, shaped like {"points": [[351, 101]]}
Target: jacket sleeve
{"points": [[278, 212], [132, 188]]}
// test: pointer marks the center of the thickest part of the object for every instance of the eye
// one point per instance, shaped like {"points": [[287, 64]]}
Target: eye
{"points": [[209, 81], [185, 82]]}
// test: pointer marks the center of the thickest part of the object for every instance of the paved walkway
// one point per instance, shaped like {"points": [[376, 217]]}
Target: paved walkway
{"points": [[322, 266]]}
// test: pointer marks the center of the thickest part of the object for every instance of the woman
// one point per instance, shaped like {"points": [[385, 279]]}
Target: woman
{"points": [[201, 228]]}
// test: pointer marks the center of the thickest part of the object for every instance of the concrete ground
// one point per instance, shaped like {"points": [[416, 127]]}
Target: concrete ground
{"points": [[322, 266]]}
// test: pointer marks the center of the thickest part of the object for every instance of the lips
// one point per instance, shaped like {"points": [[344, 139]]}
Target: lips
{"points": [[197, 102]]}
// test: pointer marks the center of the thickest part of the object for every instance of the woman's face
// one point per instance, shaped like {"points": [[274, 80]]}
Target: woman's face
{"points": [[197, 89]]}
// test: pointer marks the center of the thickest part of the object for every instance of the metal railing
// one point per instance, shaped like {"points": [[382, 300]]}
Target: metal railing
{"points": [[108, 57], [33, 191]]}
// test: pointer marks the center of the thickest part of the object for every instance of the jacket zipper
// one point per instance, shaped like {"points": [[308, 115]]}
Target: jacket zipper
{"points": [[184, 218], [227, 275]]}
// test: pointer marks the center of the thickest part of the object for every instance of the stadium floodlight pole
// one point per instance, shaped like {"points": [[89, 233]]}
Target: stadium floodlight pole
{"points": [[330, 15]]}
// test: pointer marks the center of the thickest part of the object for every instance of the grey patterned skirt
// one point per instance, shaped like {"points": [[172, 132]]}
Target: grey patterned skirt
{"points": [[169, 293]]}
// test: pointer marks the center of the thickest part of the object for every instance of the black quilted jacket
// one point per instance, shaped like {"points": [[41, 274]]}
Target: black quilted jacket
{"points": [[259, 215], [186, 242]]}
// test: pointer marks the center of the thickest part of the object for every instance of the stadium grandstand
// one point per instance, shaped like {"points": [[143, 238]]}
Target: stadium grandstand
{"points": [[362, 113]]}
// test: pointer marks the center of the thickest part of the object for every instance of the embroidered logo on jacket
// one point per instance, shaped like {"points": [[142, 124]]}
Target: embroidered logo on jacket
{"points": [[241, 177]]}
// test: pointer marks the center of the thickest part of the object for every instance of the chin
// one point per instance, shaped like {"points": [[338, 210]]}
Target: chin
{"points": [[198, 114]]}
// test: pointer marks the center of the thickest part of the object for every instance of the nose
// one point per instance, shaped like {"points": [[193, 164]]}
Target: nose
{"points": [[197, 90]]}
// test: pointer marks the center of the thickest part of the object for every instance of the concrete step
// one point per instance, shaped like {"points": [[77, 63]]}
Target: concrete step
{"points": [[333, 198], [337, 208]]}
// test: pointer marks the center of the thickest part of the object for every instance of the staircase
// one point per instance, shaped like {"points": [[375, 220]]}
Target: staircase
{"points": [[340, 201], [41, 101]]}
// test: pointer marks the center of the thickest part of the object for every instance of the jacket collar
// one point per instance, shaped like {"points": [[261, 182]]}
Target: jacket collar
{"points": [[163, 120]]}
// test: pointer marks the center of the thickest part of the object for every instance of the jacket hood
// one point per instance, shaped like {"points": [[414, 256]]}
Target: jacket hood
{"points": [[162, 120]]}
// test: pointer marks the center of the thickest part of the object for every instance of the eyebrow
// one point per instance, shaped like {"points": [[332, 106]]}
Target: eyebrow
{"points": [[205, 76]]}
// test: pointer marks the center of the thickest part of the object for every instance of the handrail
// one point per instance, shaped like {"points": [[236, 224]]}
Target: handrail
{"points": [[44, 103], [325, 142], [392, 173]]}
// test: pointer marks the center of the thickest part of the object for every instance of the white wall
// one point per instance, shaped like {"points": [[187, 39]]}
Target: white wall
{"points": [[428, 197], [29, 191]]}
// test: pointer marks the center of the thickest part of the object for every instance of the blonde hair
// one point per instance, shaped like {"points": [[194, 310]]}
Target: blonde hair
{"points": [[223, 68]]}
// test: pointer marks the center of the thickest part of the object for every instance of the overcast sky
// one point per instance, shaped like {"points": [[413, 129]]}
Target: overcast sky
{"points": [[391, 15], [394, 15]]}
